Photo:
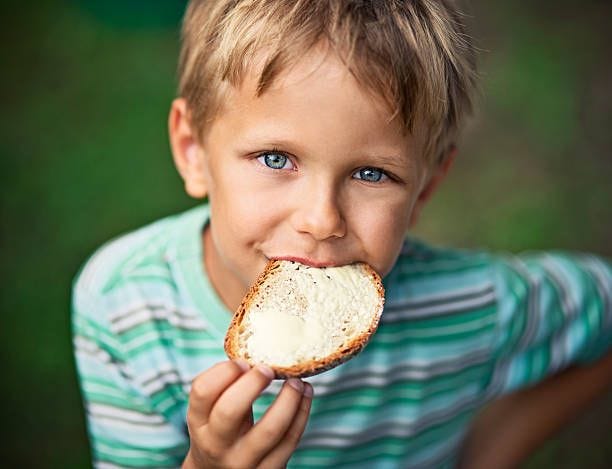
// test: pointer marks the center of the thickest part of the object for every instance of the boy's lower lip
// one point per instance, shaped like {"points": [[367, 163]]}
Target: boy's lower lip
{"points": [[306, 261]]}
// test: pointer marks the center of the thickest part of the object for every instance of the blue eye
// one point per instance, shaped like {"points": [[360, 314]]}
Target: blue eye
{"points": [[370, 175], [275, 160]]}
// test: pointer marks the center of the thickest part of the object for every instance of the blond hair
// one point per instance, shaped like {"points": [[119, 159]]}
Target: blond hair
{"points": [[414, 54]]}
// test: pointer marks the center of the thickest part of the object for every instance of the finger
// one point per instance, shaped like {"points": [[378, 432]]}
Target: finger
{"points": [[209, 385], [280, 455], [247, 423], [234, 405], [277, 420]]}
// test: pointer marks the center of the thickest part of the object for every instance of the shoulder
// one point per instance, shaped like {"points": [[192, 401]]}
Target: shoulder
{"points": [[121, 257], [525, 315], [512, 276], [145, 253], [566, 269]]}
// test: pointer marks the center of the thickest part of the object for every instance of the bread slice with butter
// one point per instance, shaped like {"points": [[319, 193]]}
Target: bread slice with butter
{"points": [[301, 320]]}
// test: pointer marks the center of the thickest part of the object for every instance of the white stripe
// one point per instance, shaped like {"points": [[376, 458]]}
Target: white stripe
{"points": [[447, 449], [140, 428], [558, 277], [443, 296], [161, 271], [425, 393], [158, 371], [603, 283], [358, 381], [129, 453], [417, 369], [153, 336], [442, 451], [83, 344], [138, 304], [356, 456], [109, 391], [375, 380], [473, 325], [436, 309], [162, 382], [91, 349], [340, 437], [532, 317], [159, 378], [164, 405], [106, 465], [145, 315], [127, 414], [345, 437]]}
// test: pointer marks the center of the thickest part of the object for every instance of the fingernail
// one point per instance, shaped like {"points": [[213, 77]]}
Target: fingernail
{"points": [[296, 384], [242, 364], [308, 390], [266, 371]]}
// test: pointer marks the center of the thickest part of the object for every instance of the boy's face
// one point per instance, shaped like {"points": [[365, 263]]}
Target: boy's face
{"points": [[312, 170]]}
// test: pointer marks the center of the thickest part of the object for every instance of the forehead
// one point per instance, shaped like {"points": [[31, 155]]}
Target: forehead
{"points": [[316, 84], [318, 110], [319, 63], [319, 70]]}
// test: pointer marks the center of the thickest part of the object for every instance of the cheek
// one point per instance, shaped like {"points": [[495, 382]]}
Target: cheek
{"points": [[243, 208], [383, 233]]}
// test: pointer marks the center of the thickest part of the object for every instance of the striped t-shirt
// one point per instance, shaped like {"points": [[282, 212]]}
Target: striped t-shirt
{"points": [[459, 328]]}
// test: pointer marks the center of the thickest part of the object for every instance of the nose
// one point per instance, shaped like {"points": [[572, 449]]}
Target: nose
{"points": [[319, 214]]}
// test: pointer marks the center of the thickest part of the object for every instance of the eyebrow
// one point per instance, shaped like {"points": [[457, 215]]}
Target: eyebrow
{"points": [[394, 161], [390, 160]]}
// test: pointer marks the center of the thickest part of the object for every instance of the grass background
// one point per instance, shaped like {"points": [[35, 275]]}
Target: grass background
{"points": [[84, 156]]}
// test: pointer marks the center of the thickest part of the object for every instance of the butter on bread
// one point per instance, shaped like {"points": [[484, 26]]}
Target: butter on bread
{"points": [[301, 320]]}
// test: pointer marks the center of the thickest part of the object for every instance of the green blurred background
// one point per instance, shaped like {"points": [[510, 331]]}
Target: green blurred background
{"points": [[84, 157]]}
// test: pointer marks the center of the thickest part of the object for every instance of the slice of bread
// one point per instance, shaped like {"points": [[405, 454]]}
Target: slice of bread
{"points": [[302, 320]]}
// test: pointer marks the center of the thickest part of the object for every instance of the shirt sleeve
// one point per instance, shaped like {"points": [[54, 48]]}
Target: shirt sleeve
{"points": [[125, 429], [554, 310]]}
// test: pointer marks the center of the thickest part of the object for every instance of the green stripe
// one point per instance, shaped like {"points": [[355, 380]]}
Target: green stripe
{"points": [[108, 392], [395, 393], [404, 446], [473, 314], [431, 264], [427, 271], [412, 338], [151, 253], [186, 350], [95, 332], [164, 327], [157, 451], [518, 290]]}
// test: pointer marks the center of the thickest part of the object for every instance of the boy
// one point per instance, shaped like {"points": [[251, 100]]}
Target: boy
{"points": [[318, 130]]}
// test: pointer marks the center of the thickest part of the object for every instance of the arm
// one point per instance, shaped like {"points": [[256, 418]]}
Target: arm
{"points": [[124, 428], [511, 428]]}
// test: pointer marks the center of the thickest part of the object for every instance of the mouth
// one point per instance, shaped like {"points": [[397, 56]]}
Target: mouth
{"points": [[306, 261]]}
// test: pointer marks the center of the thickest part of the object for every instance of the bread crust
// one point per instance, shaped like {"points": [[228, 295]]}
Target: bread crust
{"points": [[307, 368]]}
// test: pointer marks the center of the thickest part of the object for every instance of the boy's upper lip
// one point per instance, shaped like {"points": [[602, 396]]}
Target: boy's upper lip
{"points": [[307, 261]]}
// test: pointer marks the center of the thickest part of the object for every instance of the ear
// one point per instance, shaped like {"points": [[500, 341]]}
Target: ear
{"points": [[187, 152], [438, 175]]}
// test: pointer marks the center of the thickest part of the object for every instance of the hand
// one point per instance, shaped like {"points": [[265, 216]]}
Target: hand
{"points": [[220, 418]]}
